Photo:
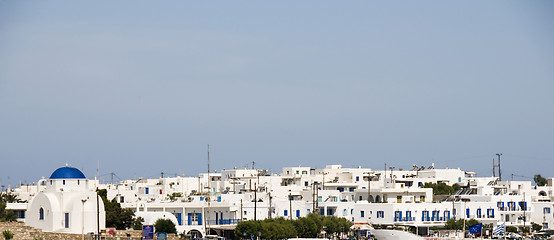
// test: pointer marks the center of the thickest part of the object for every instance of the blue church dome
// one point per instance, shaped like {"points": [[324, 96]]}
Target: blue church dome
{"points": [[67, 173]]}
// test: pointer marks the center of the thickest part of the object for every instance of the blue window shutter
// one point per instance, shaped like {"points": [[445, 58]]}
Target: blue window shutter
{"points": [[297, 213], [199, 218], [179, 219], [190, 219], [286, 213]]}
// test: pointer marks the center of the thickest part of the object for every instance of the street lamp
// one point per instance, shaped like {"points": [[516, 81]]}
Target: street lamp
{"points": [[83, 219]]}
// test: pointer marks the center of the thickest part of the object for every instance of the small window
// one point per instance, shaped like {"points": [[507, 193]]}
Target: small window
{"points": [[357, 179], [63, 182], [304, 172], [41, 214], [286, 213], [362, 213], [297, 172]]}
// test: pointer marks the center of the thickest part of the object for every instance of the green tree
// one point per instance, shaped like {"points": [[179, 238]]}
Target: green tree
{"points": [[304, 227], [536, 227], [452, 224], [247, 228], [165, 225], [309, 226], [116, 217], [277, 228], [539, 180], [9, 198], [137, 223], [5, 214], [511, 229], [442, 188]]}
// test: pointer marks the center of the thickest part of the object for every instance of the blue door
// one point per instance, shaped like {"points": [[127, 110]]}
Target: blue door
{"points": [[297, 213], [189, 220], [199, 218], [179, 219], [66, 220]]}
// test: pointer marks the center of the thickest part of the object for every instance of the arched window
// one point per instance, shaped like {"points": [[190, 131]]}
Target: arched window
{"points": [[542, 193], [41, 214]]}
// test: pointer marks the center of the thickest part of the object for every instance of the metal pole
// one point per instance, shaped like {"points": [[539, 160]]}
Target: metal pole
{"points": [[270, 210], [317, 196], [499, 172], [524, 216], [97, 215], [313, 197], [83, 219], [255, 200], [290, 206], [464, 214], [368, 186]]}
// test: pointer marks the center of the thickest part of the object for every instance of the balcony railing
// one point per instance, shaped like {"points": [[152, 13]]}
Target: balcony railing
{"points": [[223, 221]]}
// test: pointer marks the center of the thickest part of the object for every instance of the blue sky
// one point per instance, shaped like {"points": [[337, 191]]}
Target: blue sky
{"points": [[142, 87]]}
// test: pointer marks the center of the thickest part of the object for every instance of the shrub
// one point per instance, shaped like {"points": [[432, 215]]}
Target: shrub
{"points": [[7, 235], [165, 225]]}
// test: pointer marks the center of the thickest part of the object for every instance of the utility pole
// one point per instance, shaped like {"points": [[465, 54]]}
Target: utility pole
{"points": [[317, 196], [241, 217], [323, 182], [313, 196], [255, 200], [162, 175], [524, 209], [209, 197], [112, 176], [270, 209], [493, 168], [385, 176], [290, 205], [368, 186], [499, 172], [97, 215]]}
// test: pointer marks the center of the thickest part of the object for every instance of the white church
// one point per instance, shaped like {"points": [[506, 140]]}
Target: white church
{"points": [[66, 205]]}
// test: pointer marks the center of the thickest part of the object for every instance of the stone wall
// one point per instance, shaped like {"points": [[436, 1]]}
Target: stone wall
{"points": [[22, 232]]}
